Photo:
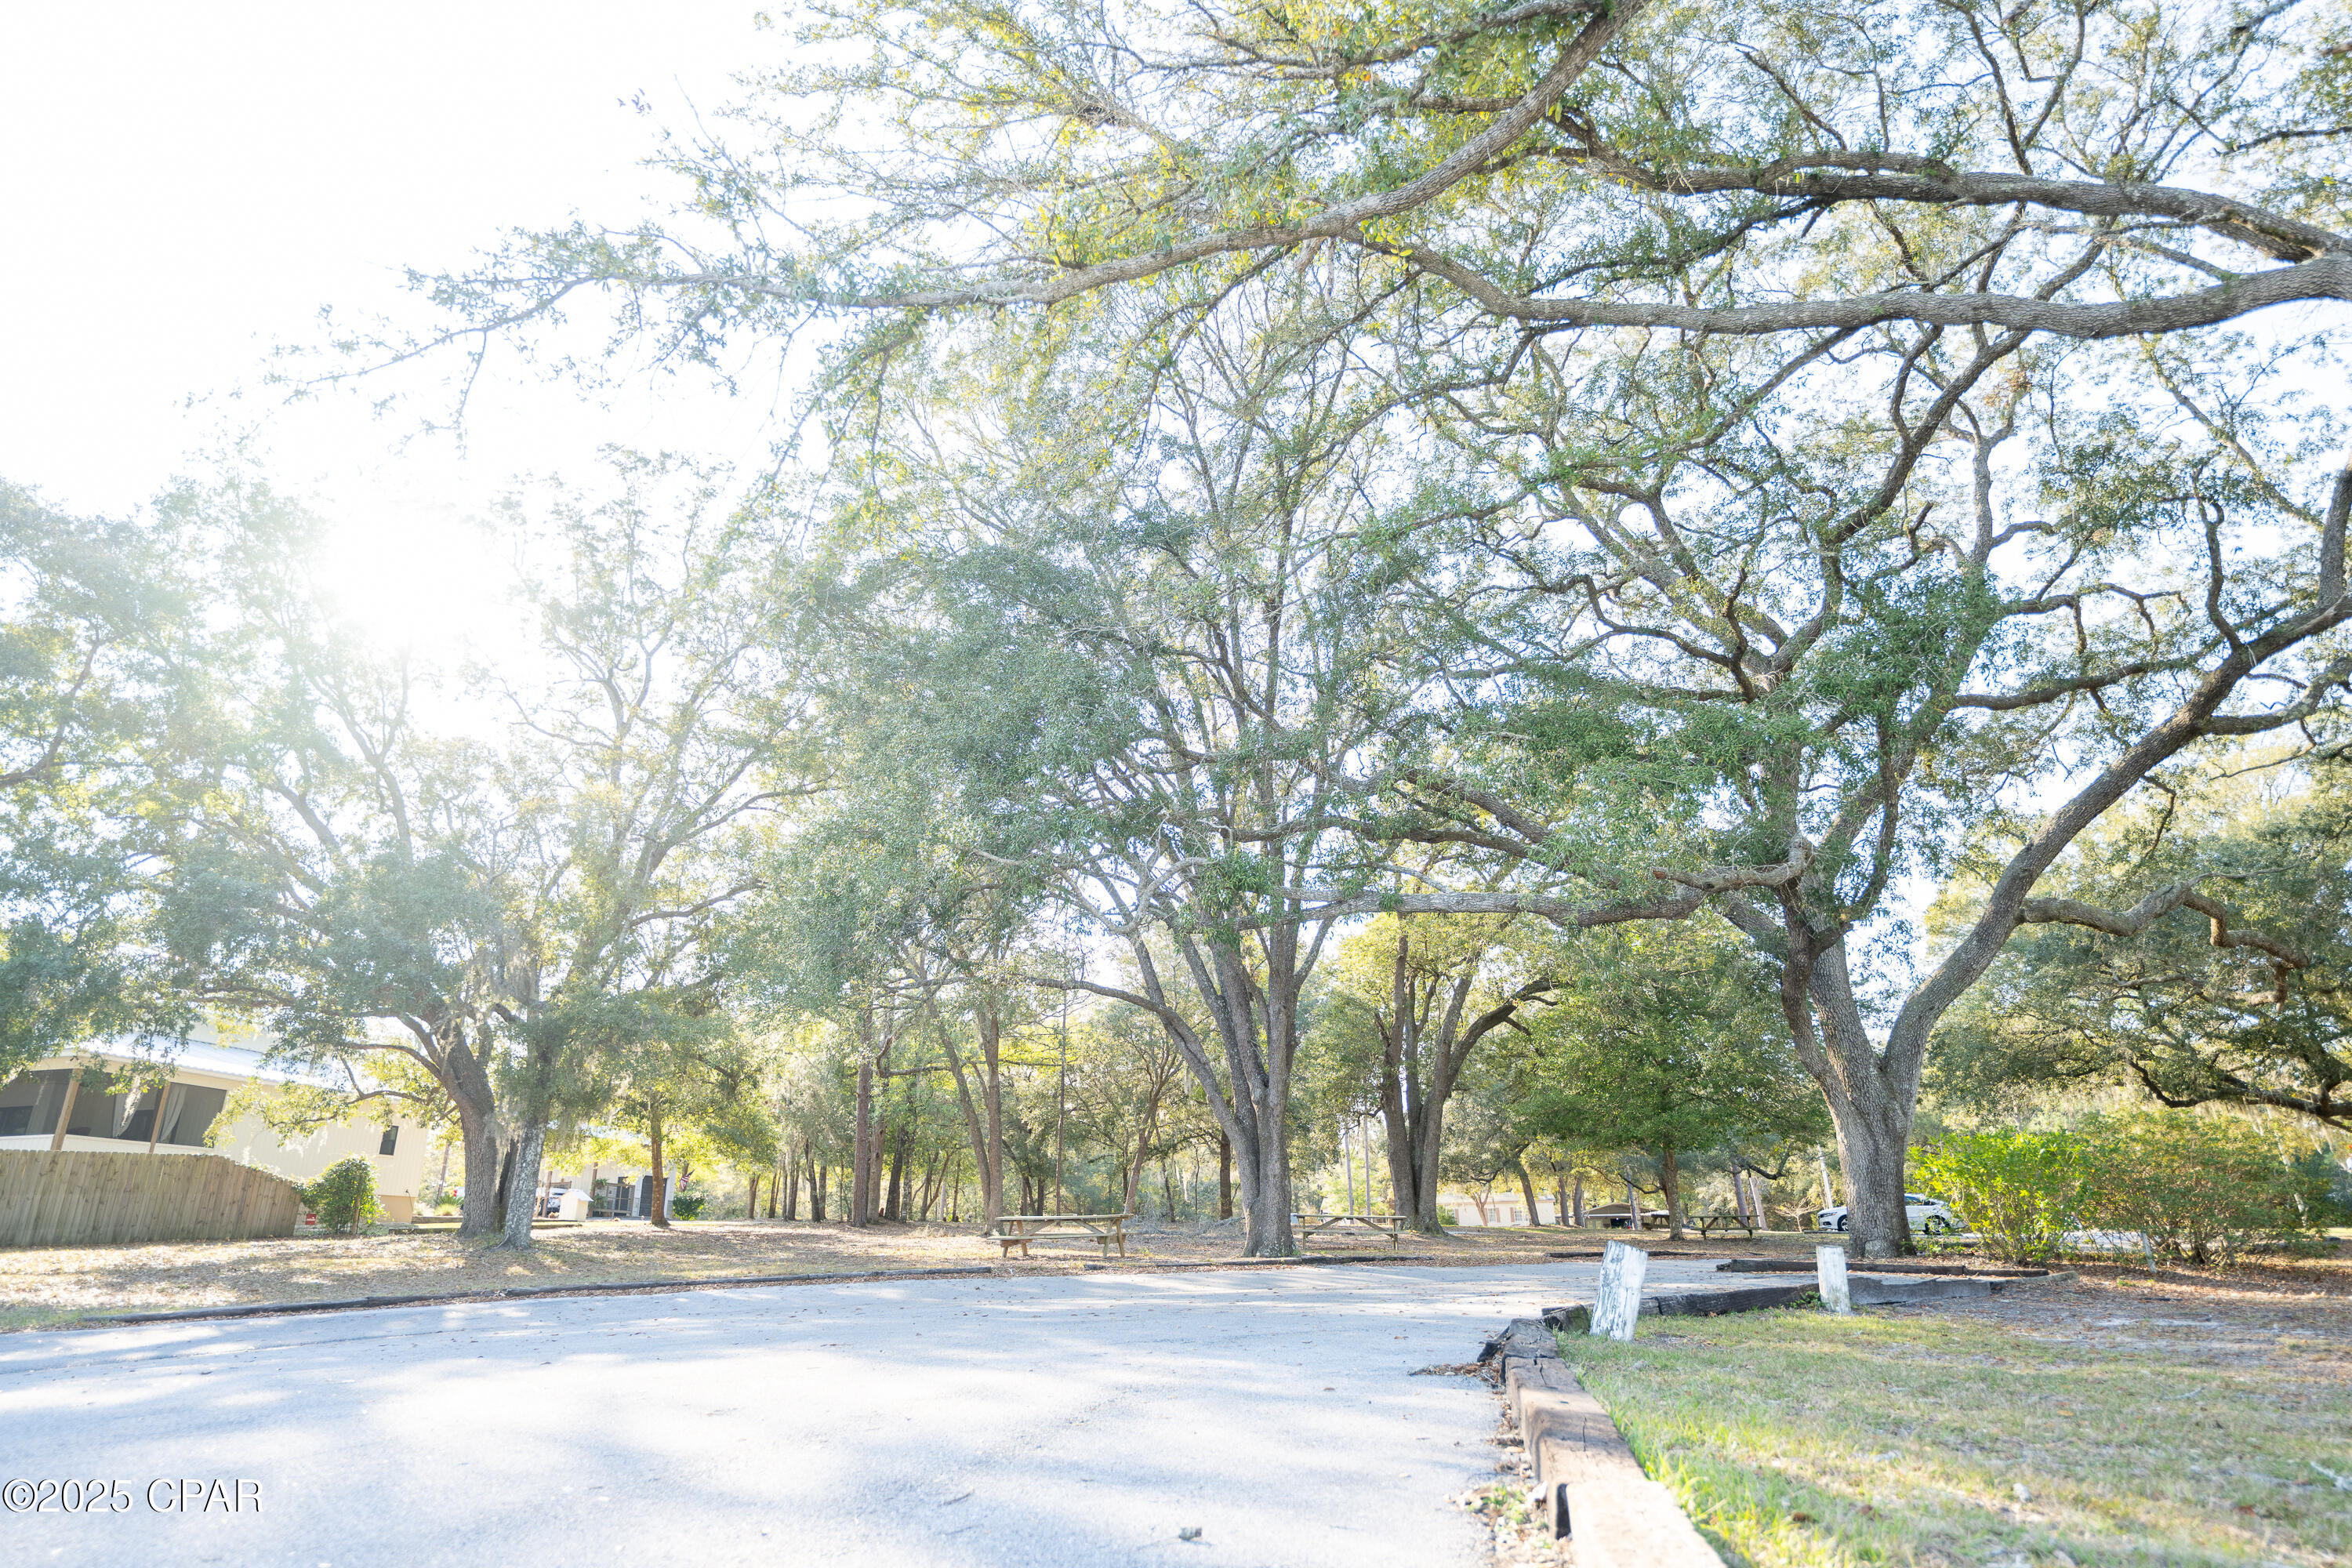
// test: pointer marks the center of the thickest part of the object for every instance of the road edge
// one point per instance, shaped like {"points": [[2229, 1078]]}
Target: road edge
{"points": [[748, 1282], [1590, 1488]]}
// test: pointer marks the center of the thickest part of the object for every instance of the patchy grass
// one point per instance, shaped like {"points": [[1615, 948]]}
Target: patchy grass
{"points": [[2183, 1420], [61, 1286]]}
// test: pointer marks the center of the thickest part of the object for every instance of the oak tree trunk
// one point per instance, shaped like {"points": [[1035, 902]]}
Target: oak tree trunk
{"points": [[522, 1186], [470, 1093], [1527, 1189], [894, 1207], [861, 1148], [661, 1183], [1670, 1181], [478, 1212]]}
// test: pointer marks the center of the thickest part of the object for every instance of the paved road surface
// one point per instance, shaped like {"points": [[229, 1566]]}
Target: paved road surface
{"points": [[1077, 1420]]}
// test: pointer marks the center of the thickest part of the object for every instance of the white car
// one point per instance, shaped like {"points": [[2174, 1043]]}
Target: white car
{"points": [[1929, 1217]]}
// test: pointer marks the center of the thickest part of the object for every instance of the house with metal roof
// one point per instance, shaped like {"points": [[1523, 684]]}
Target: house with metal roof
{"points": [[178, 1111]]}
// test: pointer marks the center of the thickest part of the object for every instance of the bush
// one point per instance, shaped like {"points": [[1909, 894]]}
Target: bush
{"points": [[2191, 1186], [2194, 1187], [2320, 1169], [685, 1207], [2018, 1190], [343, 1197]]}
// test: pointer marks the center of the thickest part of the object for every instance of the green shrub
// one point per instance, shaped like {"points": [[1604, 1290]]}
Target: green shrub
{"points": [[2196, 1186], [2320, 1169], [2018, 1190], [685, 1207], [343, 1197]]}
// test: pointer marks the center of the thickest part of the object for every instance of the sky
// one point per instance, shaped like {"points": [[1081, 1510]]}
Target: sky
{"points": [[184, 188]]}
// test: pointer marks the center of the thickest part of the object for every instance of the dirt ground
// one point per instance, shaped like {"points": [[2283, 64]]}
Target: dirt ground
{"points": [[59, 1287]]}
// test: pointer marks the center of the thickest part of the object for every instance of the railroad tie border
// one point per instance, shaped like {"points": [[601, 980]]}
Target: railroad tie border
{"points": [[1591, 1489]]}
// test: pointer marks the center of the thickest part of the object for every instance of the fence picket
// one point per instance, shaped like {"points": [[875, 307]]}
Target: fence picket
{"points": [[83, 1197]]}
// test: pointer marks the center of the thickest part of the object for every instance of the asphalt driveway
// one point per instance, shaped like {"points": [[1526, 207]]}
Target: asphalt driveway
{"points": [[1048, 1420]]}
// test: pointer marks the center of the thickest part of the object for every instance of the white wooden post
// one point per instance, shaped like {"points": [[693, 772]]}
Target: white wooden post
{"points": [[1619, 1301], [1829, 1261]]}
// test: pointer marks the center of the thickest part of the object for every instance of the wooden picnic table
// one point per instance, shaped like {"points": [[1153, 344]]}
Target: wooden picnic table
{"points": [[1708, 1223], [1388, 1224], [1106, 1230], [1616, 1215]]}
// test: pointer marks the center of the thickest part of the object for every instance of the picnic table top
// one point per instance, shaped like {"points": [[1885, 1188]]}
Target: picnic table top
{"points": [[1054, 1219], [1335, 1218]]}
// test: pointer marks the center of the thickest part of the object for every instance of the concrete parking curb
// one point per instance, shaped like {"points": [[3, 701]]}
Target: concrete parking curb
{"points": [[1592, 1491], [1578, 1320]]}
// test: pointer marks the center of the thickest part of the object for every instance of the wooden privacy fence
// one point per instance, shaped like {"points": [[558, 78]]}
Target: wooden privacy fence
{"points": [[76, 1196]]}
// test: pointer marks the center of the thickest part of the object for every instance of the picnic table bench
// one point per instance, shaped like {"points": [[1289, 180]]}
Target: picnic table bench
{"points": [[1388, 1225], [1105, 1230]]}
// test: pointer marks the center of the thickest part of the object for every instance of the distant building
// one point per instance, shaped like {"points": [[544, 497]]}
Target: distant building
{"points": [[203, 1073], [1495, 1207]]}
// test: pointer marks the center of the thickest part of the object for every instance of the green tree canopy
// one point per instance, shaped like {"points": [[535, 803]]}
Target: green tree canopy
{"points": [[1667, 1039]]}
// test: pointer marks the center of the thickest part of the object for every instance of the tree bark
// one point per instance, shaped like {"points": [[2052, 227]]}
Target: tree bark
{"points": [[1527, 1189], [523, 1181], [1425, 1044], [661, 1183], [470, 1093], [1142, 1151], [861, 1149], [751, 1208], [1870, 1094], [1224, 1177], [1671, 1181], [1579, 1199], [817, 1174], [1252, 1006], [895, 1201]]}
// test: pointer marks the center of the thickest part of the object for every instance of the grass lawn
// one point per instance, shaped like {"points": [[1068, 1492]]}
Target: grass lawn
{"points": [[61, 1287], [2127, 1419]]}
